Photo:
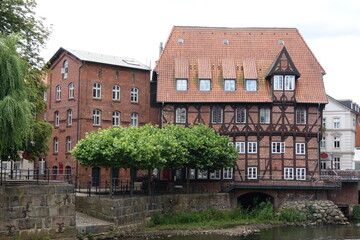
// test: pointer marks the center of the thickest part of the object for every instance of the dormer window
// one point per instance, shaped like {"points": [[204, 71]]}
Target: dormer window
{"points": [[181, 84], [251, 85], [65, 69], [229, 85], [204, 85], [290, 82], [278, 82]]}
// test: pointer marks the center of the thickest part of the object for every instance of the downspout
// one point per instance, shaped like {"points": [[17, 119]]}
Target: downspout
{"points": [[78, 125], [318, 139]]}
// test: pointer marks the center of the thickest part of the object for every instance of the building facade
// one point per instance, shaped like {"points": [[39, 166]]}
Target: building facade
{"points": [[89, 91]]}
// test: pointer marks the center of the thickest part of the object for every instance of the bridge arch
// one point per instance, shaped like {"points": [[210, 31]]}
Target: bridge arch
{"points": [[252, 199]]}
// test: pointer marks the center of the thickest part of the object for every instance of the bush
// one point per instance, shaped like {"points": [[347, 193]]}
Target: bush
{"points": [[291, 215]]}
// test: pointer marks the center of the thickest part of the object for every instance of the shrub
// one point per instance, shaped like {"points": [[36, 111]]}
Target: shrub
{"points": [[291, 215]]}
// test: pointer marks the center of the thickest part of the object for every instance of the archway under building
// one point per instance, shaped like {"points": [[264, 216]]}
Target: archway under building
{"points": [[253, 199]]}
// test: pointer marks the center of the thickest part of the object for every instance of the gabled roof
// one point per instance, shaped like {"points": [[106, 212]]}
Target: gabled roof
{"points": [[347, 104], [283, 64], [101, 58], [240, 53]]}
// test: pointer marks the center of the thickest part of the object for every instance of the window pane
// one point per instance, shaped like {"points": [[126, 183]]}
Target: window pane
{"points": [[278, 82], [229, 85], [217, 115], [240, 115], [204, 85], [265, 115], [181, 84], [251, 85], [290, 82], [180, 115]]}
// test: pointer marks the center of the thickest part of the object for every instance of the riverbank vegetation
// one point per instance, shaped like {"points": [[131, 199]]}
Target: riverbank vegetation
{"points": [[213, 218]]}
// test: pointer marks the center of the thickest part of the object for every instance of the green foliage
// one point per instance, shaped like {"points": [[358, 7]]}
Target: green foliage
{"points": [[292, 215], [264, 211], [90, 235], [356, 212], [80, 236]]}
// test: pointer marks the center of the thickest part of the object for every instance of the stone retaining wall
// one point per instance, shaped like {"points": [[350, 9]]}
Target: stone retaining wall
{"points": [[37, 211], [132, 212]]}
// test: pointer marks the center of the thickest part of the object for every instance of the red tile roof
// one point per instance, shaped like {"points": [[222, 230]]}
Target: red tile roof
{"points": [[247, 53]]}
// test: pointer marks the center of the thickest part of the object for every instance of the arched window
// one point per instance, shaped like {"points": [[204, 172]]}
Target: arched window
{"points": [[180, 115], [97, 90], [96, 117], [134, 119], [71, 90], [65, 69], [116, 92], [68, 144], [134, 95], [116, 119], [69, 117], [58, 93], [57, 119], [56, 145]]}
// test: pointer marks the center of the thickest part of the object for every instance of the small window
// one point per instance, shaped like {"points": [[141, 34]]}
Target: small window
{"points": [[116, 119], [300, 148], [324, 123], [117, 75], [133, 77], [252, 172], [251, 85], [204, 85], [277, 147], [278, 82], [191, 173], [96, 117], [226, 42], [56, 145], [289, 82], [300, 174], [69, 117], [216, 115], [240, 115], [134, 95], [116, 93], [264, 115], [323, 165], [180, 41], [336, 142], [301, 116], [65, 69], [216, 174], [97, 90], [71, 90], [336, 164], [323, 142], [57, 119], [45, 96], [58, 93], [181, 84], [180, 115], [134, 121], [240, 147], [227, 173], [288, 173], [336, 123], [252, 147], [68, 144], [100, 73], [202, 174], [229, 85]]}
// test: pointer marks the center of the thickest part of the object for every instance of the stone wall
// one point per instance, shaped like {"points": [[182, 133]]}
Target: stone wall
{"points": [[132, 212], [36, 211]]}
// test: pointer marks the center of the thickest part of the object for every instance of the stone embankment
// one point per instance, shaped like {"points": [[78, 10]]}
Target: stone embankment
{"points": [[321, 212]]}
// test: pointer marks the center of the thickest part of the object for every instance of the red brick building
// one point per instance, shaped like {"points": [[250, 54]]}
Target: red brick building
{"points": [[263, 88], [90, 91]]}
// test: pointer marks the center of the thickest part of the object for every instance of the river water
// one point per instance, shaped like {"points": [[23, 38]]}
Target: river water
{"points": [[332, 232]]}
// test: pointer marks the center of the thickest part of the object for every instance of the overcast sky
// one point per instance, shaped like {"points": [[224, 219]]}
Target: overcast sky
{"points": [[135, 28]]}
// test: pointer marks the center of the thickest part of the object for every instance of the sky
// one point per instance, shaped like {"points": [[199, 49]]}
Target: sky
{"points": [[135, 28]]}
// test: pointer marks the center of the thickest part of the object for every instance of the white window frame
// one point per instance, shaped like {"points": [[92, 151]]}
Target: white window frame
{"points": [[65, 69], [252, 147], [277, 147], [240, 115], [181, 85], [69, 117], [56, 145], [192, 173], [300, 115], [289, 83], [116, 93], [228, 173], [252, 173], [323, 142], [323, 165], [251, 85], [289, 173], [301, 174], [204, 85], [336, 142], [45, 96], [202, 174], [116, 118], [97, 90], [180, 115], [215, 119], [58, 93], [71, 90], [57, 119], [264, 115], [134, 95], [300, 148], [216, 174], [324, 123], [134, 121], [96, 117], [68, 144], [42, 166], [336, 124], [336, 163], [240, 147], [278, 82], [229, 85]]}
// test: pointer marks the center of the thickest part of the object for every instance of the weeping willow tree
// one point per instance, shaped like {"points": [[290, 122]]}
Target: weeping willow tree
{"points": [[16, 119]]}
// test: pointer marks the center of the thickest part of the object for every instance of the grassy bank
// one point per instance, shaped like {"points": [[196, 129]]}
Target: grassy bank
{"points": [[216, 219]]}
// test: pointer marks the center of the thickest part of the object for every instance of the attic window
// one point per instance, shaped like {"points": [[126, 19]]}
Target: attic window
{"points": [[226, 42], [180, 41], [281, 42]]}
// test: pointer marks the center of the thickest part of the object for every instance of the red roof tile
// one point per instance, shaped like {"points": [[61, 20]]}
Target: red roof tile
{"points": [[250, 52]]}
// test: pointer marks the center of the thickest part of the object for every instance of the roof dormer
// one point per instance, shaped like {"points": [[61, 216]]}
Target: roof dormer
{"points": [[283, 65]]}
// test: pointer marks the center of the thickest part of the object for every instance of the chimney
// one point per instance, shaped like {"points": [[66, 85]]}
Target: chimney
{"points": [[160, 48]]}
